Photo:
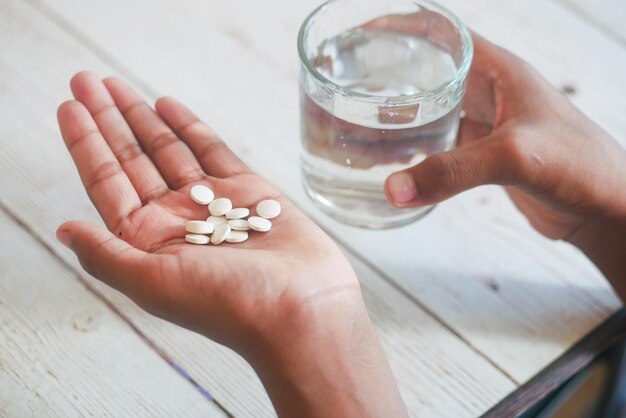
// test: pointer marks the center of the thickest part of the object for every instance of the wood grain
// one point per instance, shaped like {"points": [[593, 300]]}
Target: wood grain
{"points": [[64, 353], [437, 371], [474, 262], [607, 15], [558, 372]]}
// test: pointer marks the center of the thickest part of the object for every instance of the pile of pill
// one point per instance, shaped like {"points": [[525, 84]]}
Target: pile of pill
{"points": [[226, 223]]}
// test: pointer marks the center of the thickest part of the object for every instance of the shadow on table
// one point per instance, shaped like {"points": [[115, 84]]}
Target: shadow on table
{"points": [[523, 310]]}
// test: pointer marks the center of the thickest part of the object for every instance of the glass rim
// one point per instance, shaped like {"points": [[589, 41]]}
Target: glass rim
{"points": [[467, 51]]}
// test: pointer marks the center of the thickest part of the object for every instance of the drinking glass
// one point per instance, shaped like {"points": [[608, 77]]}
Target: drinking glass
{"points": [[381, 86]]}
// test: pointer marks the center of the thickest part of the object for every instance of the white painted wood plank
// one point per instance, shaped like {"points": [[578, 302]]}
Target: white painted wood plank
{"points": [[516, 296], [437, 372], [610, 15], [64, 353]]}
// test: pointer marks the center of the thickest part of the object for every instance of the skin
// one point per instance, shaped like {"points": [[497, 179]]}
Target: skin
{"points": [[287, 300], [561, 170]]}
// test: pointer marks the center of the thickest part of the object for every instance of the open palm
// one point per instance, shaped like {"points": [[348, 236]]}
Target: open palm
{"points": [[138, 166]]}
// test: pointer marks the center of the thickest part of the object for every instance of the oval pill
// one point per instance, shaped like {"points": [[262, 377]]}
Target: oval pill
{"points": [[259, 224], [216, 220], [237, 213], [239, 224], [201, 194], [199, 227], [196, 239], [220, 234], [268, 209], [237, 236], [220, 206]]}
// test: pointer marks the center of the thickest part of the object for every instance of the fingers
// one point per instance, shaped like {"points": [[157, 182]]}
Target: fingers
{"points": [[491, 59], [502, 85], [424, 23], [446, 174], [91, 92], [216, 158], [487, 82], [112, 260], [106, 183], [171, 156], [471, 130]]}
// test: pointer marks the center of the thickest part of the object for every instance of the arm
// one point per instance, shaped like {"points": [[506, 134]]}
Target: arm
{"points": [[287, 300], [333, 367], [603, 240]]}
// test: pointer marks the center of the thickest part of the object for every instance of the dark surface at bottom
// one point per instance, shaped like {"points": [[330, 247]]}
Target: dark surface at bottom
{"points": [[543, 385]]}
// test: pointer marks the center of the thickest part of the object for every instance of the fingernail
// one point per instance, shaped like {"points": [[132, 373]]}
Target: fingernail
{"points": [[402, 188], [64, 238]]}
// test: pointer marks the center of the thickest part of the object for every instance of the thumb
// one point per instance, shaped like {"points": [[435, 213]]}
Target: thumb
{"points": [[108, 258], [446, 174]]}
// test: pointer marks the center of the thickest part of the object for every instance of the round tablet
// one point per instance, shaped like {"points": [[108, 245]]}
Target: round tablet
{"points": [[239, 224], [259, 224], [196, 239], [268, 209], [201, 194], [216, 220], [237, 236], [237, 213], [220, 206], [220, 234], [199, 227]]}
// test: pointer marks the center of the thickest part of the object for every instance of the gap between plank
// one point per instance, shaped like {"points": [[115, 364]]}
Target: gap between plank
{"points": [[82, 38], [78, 275], [425, 308], [592, 21], [93, 47]]}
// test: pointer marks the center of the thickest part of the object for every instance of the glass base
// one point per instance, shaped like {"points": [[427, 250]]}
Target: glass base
{"points": [[363, 218]]}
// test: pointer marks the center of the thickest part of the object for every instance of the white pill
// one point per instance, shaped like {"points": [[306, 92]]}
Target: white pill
{"points": [[219, 235], [237, 236], [219, 207], [259, 224], [237, 213], [201, 194], [268, 209], [199, 227], [239, 224], [196, 239], [216, 220]]}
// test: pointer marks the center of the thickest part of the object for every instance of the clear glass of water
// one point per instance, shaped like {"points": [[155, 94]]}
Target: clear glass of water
{"points": [[381, 86]]}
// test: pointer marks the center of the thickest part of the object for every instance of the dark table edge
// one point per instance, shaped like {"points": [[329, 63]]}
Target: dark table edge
{"points": [[563, 368]]}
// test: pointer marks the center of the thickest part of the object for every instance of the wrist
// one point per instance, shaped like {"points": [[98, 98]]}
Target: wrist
{"points": [[603, 240], [327, 361]]}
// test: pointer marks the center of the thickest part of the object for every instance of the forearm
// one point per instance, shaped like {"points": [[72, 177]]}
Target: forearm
{"points": [[604, 242], [329, 364]]}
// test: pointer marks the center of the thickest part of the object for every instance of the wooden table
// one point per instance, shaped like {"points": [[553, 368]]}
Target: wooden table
{"points": [[470, 302]]}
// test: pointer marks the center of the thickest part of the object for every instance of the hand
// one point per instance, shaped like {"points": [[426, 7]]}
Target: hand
{"points": [[274, 298], [562, 171]]}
